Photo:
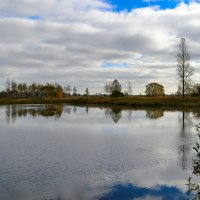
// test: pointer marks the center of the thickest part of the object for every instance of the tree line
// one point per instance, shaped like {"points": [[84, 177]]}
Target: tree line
{"points": [[36, 90]]}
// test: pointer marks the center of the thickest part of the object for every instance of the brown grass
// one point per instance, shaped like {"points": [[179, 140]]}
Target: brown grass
{"points": [[132, 101]]}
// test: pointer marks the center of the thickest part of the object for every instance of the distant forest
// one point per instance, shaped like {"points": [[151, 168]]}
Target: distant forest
{"points": [[55, 90], [34, 90]]}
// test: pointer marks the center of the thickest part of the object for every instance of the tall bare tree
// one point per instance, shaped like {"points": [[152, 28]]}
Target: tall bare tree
{"points": [[184, 69], [67, 89], [8, 85], [130, 91], [74, 90], [87, 91]]}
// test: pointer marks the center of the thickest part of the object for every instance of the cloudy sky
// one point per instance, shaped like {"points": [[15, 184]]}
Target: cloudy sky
{"points": [[89, 42]]}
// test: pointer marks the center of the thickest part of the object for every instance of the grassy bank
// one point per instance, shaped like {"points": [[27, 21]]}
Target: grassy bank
{"points": [[126, 101]]}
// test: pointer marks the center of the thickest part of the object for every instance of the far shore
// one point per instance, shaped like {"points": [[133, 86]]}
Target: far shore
{"points": [[131, 101]]}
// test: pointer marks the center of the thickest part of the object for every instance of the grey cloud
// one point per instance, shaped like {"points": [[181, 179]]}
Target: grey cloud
{"points": [[47, 8], [70, 46]]}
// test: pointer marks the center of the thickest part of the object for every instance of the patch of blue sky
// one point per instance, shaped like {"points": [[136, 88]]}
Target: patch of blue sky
{"points": [[128, 5], [114, 65], [35, 17]]}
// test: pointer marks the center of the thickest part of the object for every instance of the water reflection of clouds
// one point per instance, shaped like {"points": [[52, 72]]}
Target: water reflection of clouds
{"points": [[132, 192], [76, 152]]}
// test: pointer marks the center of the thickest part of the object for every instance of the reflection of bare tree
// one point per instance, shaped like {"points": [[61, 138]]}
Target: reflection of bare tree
{"points": [[8, 110], [155, 114], [183, 154], [15, 111], [130, 114], [115, 113], [74, 109], [184, 134], [68, 109], [86, 109]]}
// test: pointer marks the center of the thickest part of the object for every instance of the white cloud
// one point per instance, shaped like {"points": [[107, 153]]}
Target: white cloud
{"points": [[71, 40]]}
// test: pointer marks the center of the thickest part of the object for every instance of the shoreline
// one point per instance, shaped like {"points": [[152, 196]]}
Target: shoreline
{"points": [[131, 101]]}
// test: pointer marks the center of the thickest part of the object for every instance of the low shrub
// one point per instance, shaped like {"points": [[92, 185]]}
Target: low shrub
{"points": [[117, 93]]}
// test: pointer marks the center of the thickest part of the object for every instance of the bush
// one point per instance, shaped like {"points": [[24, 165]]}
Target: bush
{"points": [[117, 93], [195, 90]]}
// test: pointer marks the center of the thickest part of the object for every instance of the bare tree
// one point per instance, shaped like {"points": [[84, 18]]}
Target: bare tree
{"points": [[87, 91], [67, 89], [74, 90], [113, 86], [184, 70], [13, 85], [106, 88], [8, 85], [129, 88]]}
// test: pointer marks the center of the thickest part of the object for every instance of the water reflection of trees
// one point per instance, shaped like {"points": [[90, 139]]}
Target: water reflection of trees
{"points": [[115, 113], [154, 114], [87, 109], [74, 109], [196, 113], [47, 110], [68, 109], [130, 114], [193, 182], [186, 123], [17, 111]]}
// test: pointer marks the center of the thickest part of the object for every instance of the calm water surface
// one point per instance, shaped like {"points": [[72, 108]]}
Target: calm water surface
{"points": [[62, 152]]}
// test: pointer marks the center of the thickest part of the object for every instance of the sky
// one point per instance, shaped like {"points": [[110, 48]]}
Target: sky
{"points": [[91, 42]]}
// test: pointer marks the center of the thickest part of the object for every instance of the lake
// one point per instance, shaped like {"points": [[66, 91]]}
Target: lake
{"points": [[65, 152]]}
